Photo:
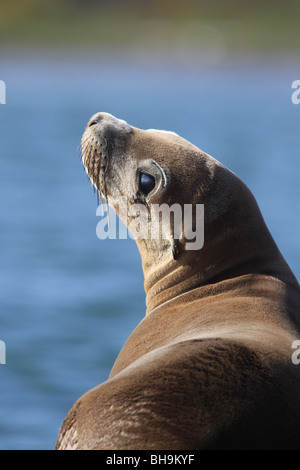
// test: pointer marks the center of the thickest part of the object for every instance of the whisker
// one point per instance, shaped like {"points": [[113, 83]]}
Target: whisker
{"points": [[100, 175], [86, 159], [86, 152], [83, 143], [105, 191], [94, 163], [86, 148], [90, 164], [85, 138], [79, 150]]}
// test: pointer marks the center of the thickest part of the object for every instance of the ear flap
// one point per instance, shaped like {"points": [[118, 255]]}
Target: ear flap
{"points": [[174, 248]]}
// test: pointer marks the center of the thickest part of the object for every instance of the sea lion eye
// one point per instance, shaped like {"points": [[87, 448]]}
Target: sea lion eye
{"points": [[146, 183]]}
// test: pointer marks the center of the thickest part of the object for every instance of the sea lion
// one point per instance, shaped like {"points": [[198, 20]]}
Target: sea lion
{"points": [[209, 367]]}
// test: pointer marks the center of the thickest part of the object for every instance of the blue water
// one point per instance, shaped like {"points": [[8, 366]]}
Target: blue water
{"points": [[62, 318]]}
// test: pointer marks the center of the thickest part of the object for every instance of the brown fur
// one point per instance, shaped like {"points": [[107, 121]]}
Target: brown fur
{"points": [[209, 367]]}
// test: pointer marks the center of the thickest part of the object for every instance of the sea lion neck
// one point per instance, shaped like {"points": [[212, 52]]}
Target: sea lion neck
{"points": [[237, 242]]}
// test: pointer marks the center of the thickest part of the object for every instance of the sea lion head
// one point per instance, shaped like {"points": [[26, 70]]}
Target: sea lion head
{"points": [[137, 171]]}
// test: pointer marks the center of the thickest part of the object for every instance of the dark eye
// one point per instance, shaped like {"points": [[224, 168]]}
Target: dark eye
{"points": [[146, 183]]}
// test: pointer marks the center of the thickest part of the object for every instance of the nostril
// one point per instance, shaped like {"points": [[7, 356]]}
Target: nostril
{"points": [[95, 121]]}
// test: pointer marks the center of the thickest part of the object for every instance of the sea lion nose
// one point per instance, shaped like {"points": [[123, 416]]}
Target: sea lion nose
{"points": [[95, 120], [108, 128]]}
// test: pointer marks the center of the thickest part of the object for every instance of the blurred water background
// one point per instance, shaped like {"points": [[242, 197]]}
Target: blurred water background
{"points": [[68, 301]]}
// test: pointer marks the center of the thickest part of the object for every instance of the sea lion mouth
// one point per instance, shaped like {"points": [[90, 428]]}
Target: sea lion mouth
{"points": [[94, 159]]}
